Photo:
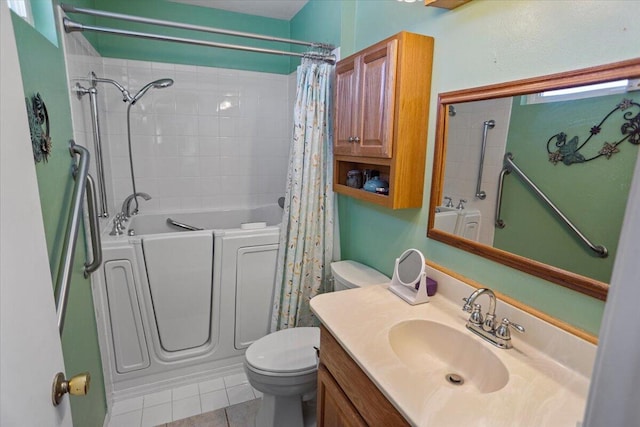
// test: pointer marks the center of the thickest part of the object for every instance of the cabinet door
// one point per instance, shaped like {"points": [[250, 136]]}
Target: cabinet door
{"points": [[334, 408], [377, 85], [346, 119]]}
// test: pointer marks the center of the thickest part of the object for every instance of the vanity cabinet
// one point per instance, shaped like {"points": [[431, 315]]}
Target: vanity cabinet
{"points": [[346, 396], [380, 119]]}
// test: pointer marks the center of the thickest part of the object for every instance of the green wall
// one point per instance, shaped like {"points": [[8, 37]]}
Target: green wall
{"points": [[593, 194], [43, 71], [159, 51], [480, 43]]}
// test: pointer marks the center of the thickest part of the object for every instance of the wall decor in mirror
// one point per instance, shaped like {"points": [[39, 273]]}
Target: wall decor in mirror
{"points": [[535, 173]]}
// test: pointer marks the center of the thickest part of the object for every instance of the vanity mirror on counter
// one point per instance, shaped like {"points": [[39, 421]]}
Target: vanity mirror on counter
{"points": [[535, 173], [409, 280]]}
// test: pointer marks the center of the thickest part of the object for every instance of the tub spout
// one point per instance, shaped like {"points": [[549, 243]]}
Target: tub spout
{"points": [[126, 205]]}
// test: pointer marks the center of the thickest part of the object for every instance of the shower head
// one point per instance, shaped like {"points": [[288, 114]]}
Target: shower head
{"points": [[158, 84]]}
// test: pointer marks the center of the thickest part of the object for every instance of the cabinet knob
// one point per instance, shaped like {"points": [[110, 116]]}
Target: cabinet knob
{"points": [[356, 139], [350, 139]]}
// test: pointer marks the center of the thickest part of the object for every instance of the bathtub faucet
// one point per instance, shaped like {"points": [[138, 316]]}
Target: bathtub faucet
{"points": [[126, 205]]}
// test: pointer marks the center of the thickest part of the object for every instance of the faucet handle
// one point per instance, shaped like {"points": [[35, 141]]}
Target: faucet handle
{"points": [[461, 204], [449, 203], [476, 315], [503, 330]]}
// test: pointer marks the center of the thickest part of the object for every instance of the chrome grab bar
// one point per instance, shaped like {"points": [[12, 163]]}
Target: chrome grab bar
{"points": [[94, 230], [63, 280], [499, 222], [97, 142], [488, 124], [510, 166], [182, 225]]}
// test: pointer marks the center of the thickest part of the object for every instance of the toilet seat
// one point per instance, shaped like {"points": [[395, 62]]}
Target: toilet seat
{"points": [[288, 352]]}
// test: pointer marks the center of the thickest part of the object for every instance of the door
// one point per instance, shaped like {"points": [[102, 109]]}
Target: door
{"points": [[30, 347]]}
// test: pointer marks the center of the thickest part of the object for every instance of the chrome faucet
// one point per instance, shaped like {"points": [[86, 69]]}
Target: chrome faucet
{"points": [[126, 205], [485, 327], [449, 203]]}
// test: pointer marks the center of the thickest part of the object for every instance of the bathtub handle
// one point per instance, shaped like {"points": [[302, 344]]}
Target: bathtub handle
{"points": [[94, 229], [182, 225]]}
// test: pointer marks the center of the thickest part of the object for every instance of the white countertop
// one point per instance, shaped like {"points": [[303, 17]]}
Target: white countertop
{"points": [[541, 391]]}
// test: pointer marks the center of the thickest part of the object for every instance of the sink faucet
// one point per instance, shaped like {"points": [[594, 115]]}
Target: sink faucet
{"points": [[500, 336], [126, 205]]}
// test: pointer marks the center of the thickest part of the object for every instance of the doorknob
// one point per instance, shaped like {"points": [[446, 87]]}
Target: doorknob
{"points": [[78, 385]]}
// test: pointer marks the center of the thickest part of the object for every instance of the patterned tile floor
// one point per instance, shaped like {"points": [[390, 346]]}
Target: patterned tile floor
{"points": [[189, 402]]}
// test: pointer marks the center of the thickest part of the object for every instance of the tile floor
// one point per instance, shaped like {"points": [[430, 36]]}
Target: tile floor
{"points": [[183, 402], [240, 415]]}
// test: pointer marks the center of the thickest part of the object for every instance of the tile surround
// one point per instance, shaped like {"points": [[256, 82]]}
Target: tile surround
{"points": [[216, 138], [463, 145]]}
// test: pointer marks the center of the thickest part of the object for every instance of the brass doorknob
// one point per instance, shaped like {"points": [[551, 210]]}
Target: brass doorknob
{"points": [[78, 385]]}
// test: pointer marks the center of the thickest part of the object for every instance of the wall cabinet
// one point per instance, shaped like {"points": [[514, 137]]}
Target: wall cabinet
{"points": [[381, 114], [346, 396]]}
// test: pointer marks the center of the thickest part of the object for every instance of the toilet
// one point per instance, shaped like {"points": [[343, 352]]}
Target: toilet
{"points": [[284, 365]]}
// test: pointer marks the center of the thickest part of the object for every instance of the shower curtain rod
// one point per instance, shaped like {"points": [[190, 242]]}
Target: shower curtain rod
{"points": [[71, 26], [139, 19]]}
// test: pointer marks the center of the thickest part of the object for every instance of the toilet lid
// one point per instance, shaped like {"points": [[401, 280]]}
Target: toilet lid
{"points": [[285, 351]]}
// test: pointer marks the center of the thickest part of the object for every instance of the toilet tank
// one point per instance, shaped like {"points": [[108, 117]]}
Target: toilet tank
{"points": [[352, 274]]}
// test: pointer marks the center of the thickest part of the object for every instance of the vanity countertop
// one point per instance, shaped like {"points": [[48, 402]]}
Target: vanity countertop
{"points": [[541, 390]]}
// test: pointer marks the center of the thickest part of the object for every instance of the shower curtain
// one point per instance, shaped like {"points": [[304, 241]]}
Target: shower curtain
{"points": [[306, 237]]}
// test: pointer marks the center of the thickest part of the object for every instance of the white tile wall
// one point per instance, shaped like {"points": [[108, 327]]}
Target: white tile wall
{"points": [[217, 138], [463, 157]]}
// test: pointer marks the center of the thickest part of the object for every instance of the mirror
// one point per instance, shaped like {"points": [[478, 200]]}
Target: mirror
{"points": [[577, 146], [409, 280]]}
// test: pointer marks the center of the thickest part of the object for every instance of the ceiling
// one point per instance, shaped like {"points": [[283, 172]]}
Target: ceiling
{"points": [[279, 9]]}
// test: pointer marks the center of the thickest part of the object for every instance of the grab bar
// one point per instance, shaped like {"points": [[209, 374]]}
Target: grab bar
{"points": [[499, 222], [488, 124], [97, 142], [63, 280], [182, 225], [510, 166], [94, 230]]}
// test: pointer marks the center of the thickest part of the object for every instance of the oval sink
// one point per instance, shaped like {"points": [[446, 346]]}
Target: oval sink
{"points": [[433, 348]]}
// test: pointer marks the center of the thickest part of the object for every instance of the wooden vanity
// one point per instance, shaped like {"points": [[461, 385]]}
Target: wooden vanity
{"points": [[346, 396]]}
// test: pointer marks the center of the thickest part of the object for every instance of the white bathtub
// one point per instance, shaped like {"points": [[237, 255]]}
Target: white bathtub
{"points": [[176, 306]]}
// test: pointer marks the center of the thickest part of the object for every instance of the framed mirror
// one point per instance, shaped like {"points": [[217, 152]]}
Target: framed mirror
{"points": [[534, 174]]}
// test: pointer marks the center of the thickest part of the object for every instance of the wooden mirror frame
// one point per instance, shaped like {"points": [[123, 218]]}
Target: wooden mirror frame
{"points": [[592, 75]]}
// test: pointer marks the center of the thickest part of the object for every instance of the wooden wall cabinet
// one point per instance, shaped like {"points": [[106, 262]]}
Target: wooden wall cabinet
{"points": [[346, 396], [381, 114]]}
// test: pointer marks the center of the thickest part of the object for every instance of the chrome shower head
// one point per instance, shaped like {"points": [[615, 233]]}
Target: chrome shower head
{"points": [[158, 84]]}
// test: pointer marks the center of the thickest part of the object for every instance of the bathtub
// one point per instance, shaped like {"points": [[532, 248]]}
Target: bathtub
{"points": [[176, 306]]}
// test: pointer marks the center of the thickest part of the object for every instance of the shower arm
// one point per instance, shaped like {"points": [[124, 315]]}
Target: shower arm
{"points": [[126, 96]]}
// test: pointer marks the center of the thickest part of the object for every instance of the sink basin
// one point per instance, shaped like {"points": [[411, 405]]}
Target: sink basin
{"points": [[435, 349]]}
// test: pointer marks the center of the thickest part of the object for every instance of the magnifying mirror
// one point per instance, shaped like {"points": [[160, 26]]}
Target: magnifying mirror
{"points": [[409, 280]]}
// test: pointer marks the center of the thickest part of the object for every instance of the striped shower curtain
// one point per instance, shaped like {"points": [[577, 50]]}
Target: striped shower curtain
{"points": [[306, 238]]}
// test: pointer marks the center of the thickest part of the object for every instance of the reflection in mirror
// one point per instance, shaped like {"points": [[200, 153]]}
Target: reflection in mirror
{"points": [[410, 267], [578, 146]]}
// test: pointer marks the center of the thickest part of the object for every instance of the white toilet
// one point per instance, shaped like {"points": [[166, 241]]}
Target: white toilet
{"points": [[283, 365]]}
